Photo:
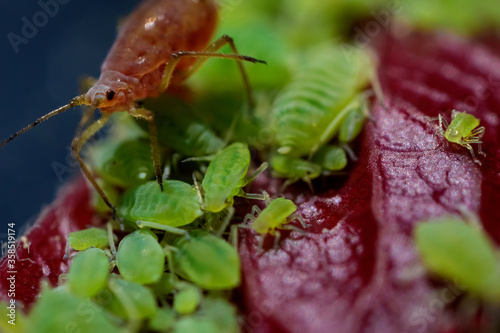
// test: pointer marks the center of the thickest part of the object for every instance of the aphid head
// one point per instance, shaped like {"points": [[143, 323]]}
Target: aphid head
{"points": [[452, 135]]}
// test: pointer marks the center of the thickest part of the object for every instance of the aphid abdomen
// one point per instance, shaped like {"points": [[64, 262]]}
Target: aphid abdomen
{"points": [[225, 176], [176, 206], [274, 215], [302, 113]]}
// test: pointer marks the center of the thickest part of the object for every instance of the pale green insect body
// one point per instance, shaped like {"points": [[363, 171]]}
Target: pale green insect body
{"points": [[274, 216], [310, 110], [463, 130], [140, 258], [225, 177], [461, 127], [177, 205]]}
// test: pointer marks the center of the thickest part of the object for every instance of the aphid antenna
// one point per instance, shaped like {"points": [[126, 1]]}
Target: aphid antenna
{"points": [[349, 151], [227, 219], [78, 100], [257, 172], [198, 192], [208, 158]]}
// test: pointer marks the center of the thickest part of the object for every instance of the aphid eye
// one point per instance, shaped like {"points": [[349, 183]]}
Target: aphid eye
{"points": [[110, 94]]}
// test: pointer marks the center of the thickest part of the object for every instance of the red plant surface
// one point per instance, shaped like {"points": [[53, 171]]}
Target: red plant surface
{"points": [[356, 269]]}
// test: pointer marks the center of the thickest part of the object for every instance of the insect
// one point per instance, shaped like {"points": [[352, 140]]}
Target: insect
{"points": [[224, 179], [218, 268], [226, 176], [89, 272], [156, 46], [277, 213], [311, 109], [140, 258], [175, 206], [130, 300], [56, 309], [461, 252], [463, 130], [324, 101], [187, 298]]}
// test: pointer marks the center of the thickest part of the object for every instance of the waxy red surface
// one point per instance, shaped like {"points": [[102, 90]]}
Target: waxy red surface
{"points": [[356, 269]]}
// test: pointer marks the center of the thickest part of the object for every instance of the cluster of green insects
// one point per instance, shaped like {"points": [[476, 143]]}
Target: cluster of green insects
{"points": [[168, 180]]}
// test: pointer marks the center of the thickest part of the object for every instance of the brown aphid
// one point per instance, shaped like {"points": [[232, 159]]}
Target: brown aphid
{"points": [[159, 45]]}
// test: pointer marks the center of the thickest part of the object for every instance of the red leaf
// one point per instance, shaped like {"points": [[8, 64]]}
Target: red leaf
{"points": [[43, 259]]}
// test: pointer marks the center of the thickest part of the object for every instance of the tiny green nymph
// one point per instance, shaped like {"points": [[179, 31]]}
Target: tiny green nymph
{"points": [[462, 130]]}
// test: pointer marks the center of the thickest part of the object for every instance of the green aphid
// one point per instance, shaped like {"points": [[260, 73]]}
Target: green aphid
{"points": [[91, 237], [310, 111], [461, 253], [222, 313], [276, 215], [187, 299], [126, 163], [59, 310], [163, 320], [140, 258], [177, 205], [294, 168], [208, 261], [130, 300], [463, 130], [331, 158], [89, 272], [226, 176]]}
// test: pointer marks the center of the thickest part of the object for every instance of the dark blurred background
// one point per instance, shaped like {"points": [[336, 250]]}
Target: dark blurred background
{"points": [[43, 75]]}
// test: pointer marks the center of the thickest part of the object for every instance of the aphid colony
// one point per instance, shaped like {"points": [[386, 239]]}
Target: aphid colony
{"points": [[173, 268]]}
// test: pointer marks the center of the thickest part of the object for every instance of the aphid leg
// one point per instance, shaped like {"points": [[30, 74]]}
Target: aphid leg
{"points": [[227, 219], [333, 125], [442, 123], [170, 260], [77, 145], [478, 133], [250, 216], [294, 228], [111, 239], [277, 236], [349, 152], [252, 196], [86, 117], [480, 150], [468, 146], [214, 47], [298, 217], [149, 116], [167, 228], [256, 173], [198, 192], [233, 234]]}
